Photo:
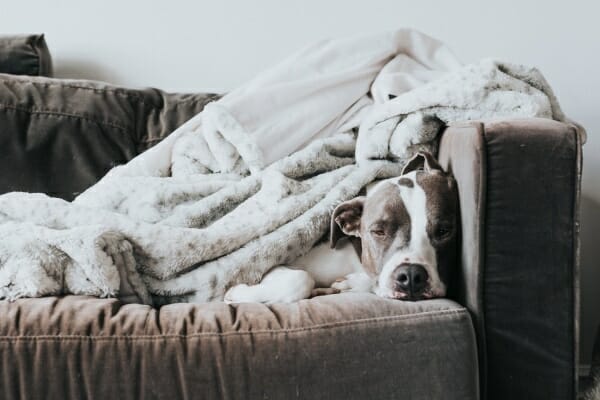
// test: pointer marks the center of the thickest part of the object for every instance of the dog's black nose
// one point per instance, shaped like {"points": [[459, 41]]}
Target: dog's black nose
{"points": [[411, 278]]}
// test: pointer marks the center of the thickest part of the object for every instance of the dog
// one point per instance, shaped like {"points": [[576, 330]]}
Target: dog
{"points": [[398, 242]]}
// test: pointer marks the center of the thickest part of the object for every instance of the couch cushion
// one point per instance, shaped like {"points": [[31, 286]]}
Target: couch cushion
{"points": [[60, 136], [25, 55], [350, 346]]}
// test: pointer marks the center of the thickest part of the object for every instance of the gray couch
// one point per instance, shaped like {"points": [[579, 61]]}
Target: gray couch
{"points": [[507, 331]]}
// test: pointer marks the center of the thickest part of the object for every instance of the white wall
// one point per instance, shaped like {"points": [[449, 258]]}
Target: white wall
{"points": [[191, 46]]}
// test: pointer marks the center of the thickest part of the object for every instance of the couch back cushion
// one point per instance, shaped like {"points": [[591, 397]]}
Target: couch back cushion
{"points": [[60, 136], [25, 55]]}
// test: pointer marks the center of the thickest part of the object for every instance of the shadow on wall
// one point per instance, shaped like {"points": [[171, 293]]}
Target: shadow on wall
{"points": [[73, 68], [590, 275]]}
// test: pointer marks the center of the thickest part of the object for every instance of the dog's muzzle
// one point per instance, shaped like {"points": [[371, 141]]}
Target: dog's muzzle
{"points": [[410, 281]]}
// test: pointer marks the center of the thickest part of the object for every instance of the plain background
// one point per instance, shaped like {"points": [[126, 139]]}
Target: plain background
{"points": [[216, 45]]}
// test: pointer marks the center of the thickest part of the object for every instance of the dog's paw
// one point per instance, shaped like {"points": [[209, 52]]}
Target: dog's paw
{"points": [[356, 282], [341, 285], [280, 285], [239, 294]]}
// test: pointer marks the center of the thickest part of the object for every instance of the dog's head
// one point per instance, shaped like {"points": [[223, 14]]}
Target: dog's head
{"points": [[407, 228]]}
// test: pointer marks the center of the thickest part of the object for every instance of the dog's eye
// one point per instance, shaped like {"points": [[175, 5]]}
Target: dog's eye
{"points": [[378, 232], [442, 232]]}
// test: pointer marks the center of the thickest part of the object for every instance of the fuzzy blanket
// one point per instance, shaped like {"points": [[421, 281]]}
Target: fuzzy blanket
{"points": [[251, 182]]}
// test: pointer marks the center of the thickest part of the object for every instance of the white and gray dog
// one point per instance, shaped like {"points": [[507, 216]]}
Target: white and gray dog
{"points": [[398, 242]]}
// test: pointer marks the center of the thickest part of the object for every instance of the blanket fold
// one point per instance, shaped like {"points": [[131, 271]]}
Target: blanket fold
{"points": [[251, 181]]}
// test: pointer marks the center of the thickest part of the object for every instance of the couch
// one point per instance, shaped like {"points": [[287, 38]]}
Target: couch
{"points": [[508, 329]]}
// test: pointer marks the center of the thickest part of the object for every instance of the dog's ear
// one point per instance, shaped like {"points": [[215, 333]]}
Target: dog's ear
{"points": [[422, 161], [345, 220]]}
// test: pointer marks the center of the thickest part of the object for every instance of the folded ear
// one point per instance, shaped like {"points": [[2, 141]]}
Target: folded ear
{"points": [[422, 161], [345, 220]]}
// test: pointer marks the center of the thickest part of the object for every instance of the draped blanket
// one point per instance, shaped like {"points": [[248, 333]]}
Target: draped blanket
{"points": [[251, 181]]}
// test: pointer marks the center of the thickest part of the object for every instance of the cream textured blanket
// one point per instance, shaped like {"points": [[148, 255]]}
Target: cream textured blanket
{"points": [[251, 181]]}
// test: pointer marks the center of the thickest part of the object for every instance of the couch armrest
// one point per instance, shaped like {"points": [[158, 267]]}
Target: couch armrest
{"points": [[25, 55], [519, 183]]}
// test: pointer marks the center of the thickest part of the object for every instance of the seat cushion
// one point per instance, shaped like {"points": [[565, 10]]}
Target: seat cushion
{"points": [[347, 346]]}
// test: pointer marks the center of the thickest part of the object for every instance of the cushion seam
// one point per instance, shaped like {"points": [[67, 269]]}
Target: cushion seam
{"points": [[122, 92], [334, 325], [63, 114], [59, 84]]}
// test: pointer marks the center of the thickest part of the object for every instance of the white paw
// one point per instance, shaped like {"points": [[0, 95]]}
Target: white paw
{"points": [[356, 282], [239, 294], [341, 285], [281, 285]]}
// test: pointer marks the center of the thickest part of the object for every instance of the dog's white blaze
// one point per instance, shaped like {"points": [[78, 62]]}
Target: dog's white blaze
{"points": [[415, 201], [419, 250]]}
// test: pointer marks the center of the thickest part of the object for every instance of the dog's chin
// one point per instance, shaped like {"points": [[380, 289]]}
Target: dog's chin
{"points": [[401, 295], [407, 297]]}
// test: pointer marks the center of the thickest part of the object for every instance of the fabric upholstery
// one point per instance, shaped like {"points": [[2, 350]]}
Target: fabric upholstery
{"points": [[518, 185], [25, 55], [348, 346], [59, 136]]}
